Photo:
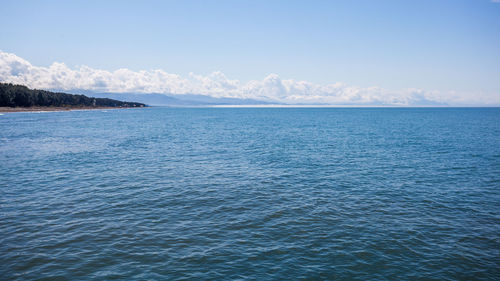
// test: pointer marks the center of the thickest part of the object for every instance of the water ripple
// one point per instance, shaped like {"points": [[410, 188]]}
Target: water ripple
{"points": [[162, 193]]}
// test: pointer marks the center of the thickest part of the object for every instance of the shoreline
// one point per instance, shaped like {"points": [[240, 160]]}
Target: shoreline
{"points": [[55, 108]]}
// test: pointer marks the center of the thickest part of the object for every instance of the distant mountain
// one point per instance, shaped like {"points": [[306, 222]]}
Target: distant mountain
{"points": [[21, 96], [156, 99]]}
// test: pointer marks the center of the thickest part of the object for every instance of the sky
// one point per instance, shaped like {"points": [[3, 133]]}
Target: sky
{"points": [[399, 52]]}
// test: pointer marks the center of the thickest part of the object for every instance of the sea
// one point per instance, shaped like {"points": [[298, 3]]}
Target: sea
{"points": [[251, 194]]}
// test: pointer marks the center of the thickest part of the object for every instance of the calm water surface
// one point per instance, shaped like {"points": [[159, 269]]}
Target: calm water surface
{"points": [[257, 194]]}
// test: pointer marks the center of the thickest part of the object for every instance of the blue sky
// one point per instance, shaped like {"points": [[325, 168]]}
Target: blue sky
{"points": [[432, 45]]}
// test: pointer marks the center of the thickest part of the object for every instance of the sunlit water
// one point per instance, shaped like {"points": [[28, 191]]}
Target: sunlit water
{"points": [[260, 194]]}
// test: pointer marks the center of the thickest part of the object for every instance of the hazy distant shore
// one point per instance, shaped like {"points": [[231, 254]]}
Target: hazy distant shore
{"points": [[53, 108]]}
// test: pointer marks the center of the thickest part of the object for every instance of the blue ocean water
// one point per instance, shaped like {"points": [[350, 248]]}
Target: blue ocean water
{"points": [[251, 194]]}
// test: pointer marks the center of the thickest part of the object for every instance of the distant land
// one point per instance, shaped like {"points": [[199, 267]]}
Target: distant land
{"points": [[195, 100], [160, 99], [21, 98]]}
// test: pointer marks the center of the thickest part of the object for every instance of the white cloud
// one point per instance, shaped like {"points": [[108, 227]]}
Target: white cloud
{"points": [[14, 69]]}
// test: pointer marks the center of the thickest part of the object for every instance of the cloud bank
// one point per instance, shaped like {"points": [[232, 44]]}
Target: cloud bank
{"points": [[272, 88]]}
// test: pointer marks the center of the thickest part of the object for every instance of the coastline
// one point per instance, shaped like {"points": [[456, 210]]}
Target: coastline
{"points": [[55, 108]]}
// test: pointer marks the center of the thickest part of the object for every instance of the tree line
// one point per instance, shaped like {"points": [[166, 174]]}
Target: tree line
{"points": [[21, 96]]}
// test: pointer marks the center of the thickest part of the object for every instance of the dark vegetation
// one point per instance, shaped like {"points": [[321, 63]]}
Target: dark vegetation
{"points": [[21, 96]]}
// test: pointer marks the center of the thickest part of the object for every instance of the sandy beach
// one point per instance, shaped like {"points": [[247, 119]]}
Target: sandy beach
{"points": [[51, 108]]}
